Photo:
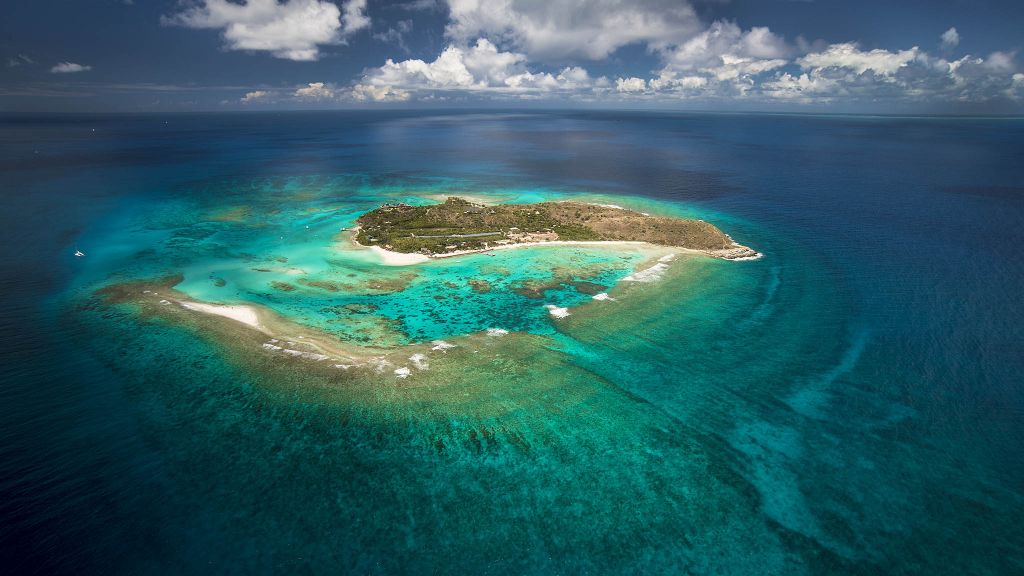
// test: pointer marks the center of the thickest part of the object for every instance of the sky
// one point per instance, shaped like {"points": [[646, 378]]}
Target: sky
{"points": [[871, 56]]}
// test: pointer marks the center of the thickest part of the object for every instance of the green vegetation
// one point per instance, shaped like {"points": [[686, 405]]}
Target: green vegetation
{"points": [[458, 224]]}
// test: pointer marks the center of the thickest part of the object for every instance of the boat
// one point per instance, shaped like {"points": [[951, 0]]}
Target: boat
{"points": [[79, 253]]}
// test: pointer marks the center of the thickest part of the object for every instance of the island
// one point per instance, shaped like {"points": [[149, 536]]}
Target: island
{"points": [[459, 226]]}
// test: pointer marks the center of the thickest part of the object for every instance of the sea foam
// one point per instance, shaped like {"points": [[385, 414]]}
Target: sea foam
{"points": [[652, 274]]}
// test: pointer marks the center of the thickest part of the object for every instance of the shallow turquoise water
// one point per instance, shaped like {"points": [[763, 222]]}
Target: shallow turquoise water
{"points": [[848, 404], [290, 235]]}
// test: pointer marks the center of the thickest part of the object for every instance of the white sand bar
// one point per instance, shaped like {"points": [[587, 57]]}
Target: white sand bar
{"points": [[243, 314], [557, 311]]}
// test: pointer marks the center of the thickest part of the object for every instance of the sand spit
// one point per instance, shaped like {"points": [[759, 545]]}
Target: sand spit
{"points": [[557, 311], [244, 314], [264, 329], [252, 329]]}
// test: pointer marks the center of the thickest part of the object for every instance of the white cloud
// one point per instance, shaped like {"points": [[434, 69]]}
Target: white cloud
{"points": [[69, 68], [722, 60], [495, 46], [1016, 89], [293, 29], [355, 17], [950, 39], [475, 69], [850, 57], [800, 88], [554, 31], [1001, 62], [576, 77], [315, 91], [633, 84], [364, 92], [670, 82], [844, 71], [448, 70], [254, 96], [725, 40]]}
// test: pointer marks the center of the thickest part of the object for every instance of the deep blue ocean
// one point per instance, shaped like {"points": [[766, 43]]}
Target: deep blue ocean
{"points": [[852, 403]]}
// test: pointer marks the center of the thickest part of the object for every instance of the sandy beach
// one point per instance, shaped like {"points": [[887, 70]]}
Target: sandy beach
{"points": [[388, 257], [392, 258]]}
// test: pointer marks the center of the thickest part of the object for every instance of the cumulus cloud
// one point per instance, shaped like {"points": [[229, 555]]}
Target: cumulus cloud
{"points": [[844, 71], [800, 87], [315, 91], [722, 60], [293, 29], [69, 68], [727, 41], [555, 31], [1016, 89], [950, 39], [630, 84], [254, 96], [477, 68], [364, 92], [725, 62], [518, 48], [1000, 61], [355, 17], [669, 83], [848, 56]]}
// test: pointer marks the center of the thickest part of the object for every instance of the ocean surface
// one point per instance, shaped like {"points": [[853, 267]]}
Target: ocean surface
{"points": [[850, 403]]}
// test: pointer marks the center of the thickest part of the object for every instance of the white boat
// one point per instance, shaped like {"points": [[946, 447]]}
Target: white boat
{"points": [[79, 253]]}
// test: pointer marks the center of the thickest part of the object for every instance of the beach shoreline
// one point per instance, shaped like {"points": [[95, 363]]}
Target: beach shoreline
{"points": [[736, 253], [392, 258], [387, 257]]}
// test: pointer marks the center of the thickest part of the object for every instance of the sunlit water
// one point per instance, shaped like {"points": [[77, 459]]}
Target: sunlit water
{"points": [[850, 403]]}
